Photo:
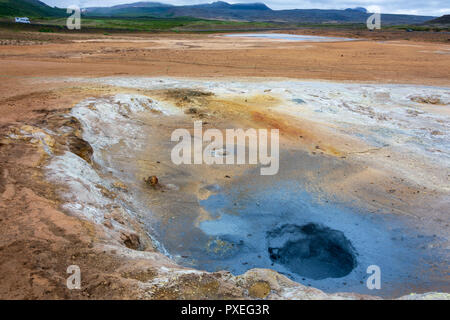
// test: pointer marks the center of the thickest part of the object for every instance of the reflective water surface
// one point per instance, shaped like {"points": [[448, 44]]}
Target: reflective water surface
{"points": [[289, 37]]}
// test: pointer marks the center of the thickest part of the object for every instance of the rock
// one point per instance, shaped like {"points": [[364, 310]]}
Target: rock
{"points": [[191, 111], [130, 240], [105, 192], [81, 148], [152, 181], [108, 224], [116, 216], [120, 186], [427, 100]]}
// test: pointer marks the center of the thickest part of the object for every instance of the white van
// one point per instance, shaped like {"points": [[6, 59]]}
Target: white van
{"points": [[22, 20]]}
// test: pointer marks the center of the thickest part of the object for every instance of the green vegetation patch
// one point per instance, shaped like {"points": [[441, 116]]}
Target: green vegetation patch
{"points": [[30, 8]]}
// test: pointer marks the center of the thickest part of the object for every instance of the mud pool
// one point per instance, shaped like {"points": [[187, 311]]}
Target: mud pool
{"points": [[327, 246], [278, 223]]}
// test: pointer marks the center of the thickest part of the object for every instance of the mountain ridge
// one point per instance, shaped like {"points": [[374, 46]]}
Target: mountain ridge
{"points": [[445, 19], [31, 8], [219, 10], [255, 12]]}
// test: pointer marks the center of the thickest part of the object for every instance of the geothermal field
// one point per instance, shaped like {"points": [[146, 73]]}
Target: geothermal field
{"points": [[360, 177]]}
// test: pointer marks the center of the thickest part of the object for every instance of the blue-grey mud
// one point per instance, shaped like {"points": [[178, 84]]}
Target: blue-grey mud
{"points": [[363, 179], [251, 224]]}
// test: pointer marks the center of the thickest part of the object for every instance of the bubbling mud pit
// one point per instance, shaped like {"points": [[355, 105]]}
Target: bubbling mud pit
{"points": [[301, 222], [314, 251]]}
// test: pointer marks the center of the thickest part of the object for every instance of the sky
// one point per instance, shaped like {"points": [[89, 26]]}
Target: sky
{"points": [[417, 7]]}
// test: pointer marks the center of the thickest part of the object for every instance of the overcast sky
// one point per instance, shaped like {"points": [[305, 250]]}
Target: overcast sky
{"points": [[418, 7]]}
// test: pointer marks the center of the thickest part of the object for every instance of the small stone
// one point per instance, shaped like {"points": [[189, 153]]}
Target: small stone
{"points": [[191, 111], [120, 186], [108, 224], [152, 181], [130, 240]]}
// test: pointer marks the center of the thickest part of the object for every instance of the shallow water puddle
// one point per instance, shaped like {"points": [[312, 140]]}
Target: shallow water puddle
{"points": [[288, 37]]}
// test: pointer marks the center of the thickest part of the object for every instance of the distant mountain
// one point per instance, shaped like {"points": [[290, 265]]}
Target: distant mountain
{"points": [[220, 10], [161, 9], [441, 20], [30, 8], [227, 6], [255, 12], [129, 9], [360, 9], [142, 5]]}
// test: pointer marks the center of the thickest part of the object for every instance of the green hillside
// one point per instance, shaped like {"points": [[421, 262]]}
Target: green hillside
{"points": [[29, 8]]}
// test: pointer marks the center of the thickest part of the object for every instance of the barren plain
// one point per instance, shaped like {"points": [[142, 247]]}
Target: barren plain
{"points": [[364, 135]]}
